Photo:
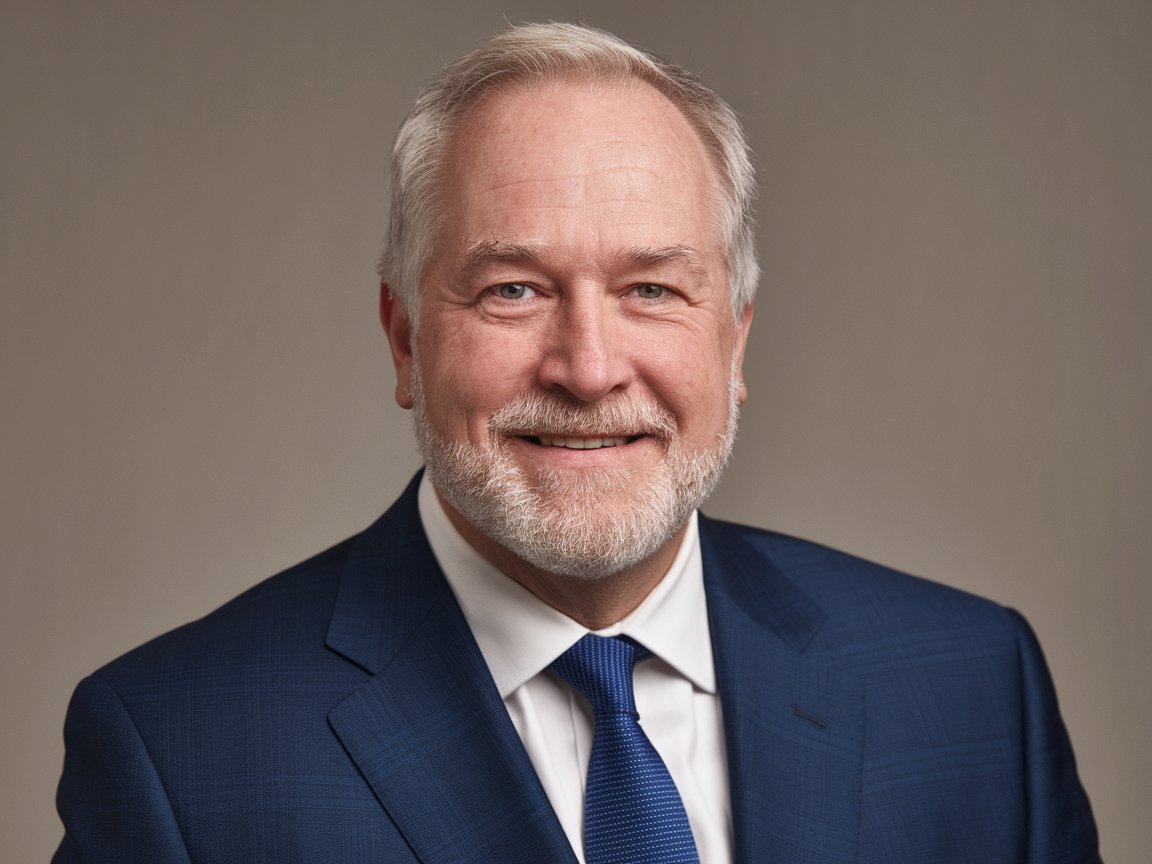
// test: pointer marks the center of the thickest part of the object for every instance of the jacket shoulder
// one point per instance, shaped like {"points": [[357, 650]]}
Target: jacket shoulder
{"points": [[862, 594], [293, 606]]}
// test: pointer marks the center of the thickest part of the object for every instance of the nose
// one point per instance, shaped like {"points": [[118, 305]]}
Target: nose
{"points": [[587, 355]]}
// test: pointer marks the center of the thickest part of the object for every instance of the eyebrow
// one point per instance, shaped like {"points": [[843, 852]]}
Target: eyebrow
{"points": [[486, 252], [656, 256]]}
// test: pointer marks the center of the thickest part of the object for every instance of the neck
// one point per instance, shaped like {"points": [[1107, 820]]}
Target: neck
{"points": [[595, 603]]}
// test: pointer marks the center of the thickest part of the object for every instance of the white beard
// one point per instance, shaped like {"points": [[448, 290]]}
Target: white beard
{"points": [[590, 523]]}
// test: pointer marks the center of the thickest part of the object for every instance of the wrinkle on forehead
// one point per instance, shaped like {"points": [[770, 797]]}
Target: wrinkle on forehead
{"points": [[529, 110]]}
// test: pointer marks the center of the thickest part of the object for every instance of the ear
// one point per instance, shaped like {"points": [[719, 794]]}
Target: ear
{"points": [[399, 332], [742, 327]]}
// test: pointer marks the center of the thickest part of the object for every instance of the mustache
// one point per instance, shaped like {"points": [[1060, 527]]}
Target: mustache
{"points": [[551, 414]]}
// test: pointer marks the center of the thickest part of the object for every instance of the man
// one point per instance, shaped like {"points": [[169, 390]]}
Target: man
{"points": [[567, 293]]}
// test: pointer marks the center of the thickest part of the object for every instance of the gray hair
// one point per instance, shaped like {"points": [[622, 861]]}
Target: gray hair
{"points": [[548, 52]]}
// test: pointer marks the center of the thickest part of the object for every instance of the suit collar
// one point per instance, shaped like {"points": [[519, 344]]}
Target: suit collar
{"points": [[390, 584], [744, 576], [428, 731], [793, 726]]}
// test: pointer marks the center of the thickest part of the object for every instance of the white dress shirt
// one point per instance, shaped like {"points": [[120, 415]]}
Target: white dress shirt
{"points": [[520, 635]]}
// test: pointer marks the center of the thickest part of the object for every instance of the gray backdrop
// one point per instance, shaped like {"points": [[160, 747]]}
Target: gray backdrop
{"points": [[949, 370]]}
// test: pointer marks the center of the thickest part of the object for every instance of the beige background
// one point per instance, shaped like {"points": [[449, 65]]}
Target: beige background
{"points": [[950, 370]]}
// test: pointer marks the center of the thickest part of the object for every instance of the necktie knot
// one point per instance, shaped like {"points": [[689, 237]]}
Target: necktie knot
{"points": [[600, 668]]}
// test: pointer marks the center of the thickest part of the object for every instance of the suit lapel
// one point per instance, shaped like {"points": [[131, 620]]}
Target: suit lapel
{"points": [[793, 727], [429, 731]]}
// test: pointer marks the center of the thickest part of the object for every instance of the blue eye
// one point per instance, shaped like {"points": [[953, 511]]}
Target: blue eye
{"points": [[651, 292], [513, 291]]}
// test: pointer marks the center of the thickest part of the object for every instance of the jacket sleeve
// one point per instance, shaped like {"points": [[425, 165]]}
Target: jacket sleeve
{"points": [[1061, 829], [111, 799]]}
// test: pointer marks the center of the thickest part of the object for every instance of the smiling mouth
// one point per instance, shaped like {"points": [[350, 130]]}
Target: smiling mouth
{"points": [[579, 443]]}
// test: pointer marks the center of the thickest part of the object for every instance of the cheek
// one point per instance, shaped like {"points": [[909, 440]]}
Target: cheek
{"points": [[471, 376], [692, 378]]}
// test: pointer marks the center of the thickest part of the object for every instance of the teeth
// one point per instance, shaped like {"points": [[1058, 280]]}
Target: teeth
{"points": [[580, 443]]}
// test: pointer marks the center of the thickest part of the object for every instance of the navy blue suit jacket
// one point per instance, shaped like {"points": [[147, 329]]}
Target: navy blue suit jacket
{"points": [[342, 712]]}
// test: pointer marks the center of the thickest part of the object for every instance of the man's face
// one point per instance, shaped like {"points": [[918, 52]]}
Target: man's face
{"points": [[576, 371]]}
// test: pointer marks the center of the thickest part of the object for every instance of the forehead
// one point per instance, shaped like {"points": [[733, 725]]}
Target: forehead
{"points": [[579, 158]]}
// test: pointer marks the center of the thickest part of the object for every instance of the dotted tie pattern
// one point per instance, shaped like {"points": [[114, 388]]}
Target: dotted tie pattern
{"points": [[632, 811]]}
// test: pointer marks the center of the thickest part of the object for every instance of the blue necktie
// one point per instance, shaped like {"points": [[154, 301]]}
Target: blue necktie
{"points": [[632, 811]]}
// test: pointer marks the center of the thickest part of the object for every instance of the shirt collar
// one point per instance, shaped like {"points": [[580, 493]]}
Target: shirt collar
{"points": [[520, 635]]}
